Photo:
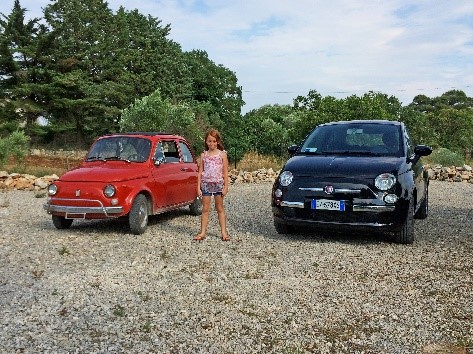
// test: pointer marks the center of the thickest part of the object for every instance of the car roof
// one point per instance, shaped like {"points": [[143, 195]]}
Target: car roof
{"points": [[151, 134], [367, 121]]}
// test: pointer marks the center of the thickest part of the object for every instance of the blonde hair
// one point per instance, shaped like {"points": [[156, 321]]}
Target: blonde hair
{"points": [[216, 134]]}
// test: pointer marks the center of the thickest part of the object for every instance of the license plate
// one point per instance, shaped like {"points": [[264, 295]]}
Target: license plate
{"points": [[326, 204]]}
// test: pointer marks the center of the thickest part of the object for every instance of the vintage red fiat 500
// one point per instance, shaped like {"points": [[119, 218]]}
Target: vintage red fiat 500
{"points": [[127, 174]]}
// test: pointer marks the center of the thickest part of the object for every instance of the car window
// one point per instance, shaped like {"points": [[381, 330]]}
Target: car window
{"points": [[166, 152], [120, 148], [369, 138], [185, 152]]}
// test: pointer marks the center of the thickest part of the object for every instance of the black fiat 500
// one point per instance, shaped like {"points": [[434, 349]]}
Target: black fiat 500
{"points": [[353, 175]]}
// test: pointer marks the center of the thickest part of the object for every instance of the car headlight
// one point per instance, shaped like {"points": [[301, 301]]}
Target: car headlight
{"points": [[285, 178], [52, 189], [385, 181], [109, 191]]}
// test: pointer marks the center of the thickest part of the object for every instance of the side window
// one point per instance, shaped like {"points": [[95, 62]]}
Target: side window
{"points": [[409, 151], [185, 152], [166, 152], [159, 153]]}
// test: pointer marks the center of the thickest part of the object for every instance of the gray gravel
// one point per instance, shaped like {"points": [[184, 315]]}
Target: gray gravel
{"points": [[97, 289]]}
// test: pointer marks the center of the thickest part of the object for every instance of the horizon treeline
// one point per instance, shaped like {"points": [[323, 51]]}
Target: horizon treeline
{"points": [[82, 71]]}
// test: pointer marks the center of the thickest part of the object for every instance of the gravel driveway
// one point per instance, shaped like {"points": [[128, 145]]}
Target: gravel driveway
{"points": [[97, 289]]}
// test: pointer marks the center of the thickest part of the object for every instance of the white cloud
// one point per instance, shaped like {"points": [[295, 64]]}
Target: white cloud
{"points": [[280, 49]]}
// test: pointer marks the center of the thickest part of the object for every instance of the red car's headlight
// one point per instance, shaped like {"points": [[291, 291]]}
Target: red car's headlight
{"points": [[109, 191]]}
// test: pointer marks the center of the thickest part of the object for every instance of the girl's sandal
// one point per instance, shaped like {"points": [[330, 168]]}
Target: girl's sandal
{"points": [[226, 238], [199, 238]]}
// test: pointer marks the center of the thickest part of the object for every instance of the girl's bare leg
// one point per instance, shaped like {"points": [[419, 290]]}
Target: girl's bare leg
{"points": [[221, 217], [204, 218]]}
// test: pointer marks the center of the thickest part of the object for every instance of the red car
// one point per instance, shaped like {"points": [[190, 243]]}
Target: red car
{"points": [[127, 174]]}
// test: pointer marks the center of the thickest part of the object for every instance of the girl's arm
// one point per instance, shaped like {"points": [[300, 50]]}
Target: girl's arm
{"points": [[199, 174], [225, 173]]}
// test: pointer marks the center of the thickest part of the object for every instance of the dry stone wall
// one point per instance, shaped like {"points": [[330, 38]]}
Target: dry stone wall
{"points": [[19, 181]]}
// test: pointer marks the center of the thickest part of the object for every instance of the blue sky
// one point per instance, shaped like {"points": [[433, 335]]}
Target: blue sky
{"points": [[281, 49]]}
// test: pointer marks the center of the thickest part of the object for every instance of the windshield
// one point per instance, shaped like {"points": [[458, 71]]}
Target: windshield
{"points": [[120, 148], [354, 139]]}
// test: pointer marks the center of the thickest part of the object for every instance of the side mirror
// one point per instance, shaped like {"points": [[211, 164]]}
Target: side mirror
{"points": [[158, 161], [419, 151], [292, 149], [422, 150]]}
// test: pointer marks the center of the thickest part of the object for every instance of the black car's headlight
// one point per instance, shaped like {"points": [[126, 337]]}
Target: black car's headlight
{"points": [[385, 181], [109, 191], [285, 178]]}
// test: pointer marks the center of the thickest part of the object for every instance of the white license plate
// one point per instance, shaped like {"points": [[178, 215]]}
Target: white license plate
{"points": [[326, 204]]}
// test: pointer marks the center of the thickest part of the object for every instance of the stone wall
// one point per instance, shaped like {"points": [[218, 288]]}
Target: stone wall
{"points": [[28, 182]]}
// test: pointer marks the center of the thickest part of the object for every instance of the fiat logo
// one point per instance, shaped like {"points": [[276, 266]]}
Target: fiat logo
{"points": [[328, 189], [78, 193]]}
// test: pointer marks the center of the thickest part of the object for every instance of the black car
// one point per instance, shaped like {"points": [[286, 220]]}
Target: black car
{"points": [[353, 175]]}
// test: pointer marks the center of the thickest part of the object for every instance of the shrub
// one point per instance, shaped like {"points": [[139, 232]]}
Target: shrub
{"points": [[16, 144], [446, 157]]}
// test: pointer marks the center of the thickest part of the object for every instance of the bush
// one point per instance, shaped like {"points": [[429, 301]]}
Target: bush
{"points": [[16, 144], [446, 157]]}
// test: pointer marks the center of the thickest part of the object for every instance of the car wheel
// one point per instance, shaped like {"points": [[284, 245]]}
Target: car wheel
{"points": [[138, 216], [60, 222], [282, 228], [406, 234], [423, 210], [196, 206]]}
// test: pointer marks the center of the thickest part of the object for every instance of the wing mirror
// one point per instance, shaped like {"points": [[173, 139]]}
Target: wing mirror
{"points": [[419, 151], [292, 149]]}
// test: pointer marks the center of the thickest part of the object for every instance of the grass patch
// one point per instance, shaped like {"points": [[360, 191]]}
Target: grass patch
{"points": [[253, 161], [64, 251]]}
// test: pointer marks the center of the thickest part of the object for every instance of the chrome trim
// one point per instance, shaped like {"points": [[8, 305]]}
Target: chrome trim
{"points": [[336, 190], [356, 207], [346, 190], [369, 224], [76, 210], [292, 204], [375, 208]]}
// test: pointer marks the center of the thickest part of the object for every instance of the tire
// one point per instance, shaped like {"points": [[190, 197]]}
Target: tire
{"points": [[423, 210], [138, 216], [282, 228], [60, 222], [196, 207], [405, 236]]}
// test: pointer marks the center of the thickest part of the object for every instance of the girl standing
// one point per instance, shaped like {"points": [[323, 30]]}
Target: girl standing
{"points": [[213, 181]]}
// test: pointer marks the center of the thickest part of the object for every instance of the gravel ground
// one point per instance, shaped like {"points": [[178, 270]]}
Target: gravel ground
{"points": [[97, 289]]}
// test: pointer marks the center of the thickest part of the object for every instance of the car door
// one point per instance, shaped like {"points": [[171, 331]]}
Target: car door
{"points": [[167, 174], [190, 170]]}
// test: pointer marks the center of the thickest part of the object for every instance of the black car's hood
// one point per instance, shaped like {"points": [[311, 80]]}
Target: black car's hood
{"points": [[343, 166]]}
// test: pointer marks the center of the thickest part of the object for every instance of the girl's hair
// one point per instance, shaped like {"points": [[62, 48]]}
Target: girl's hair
{"points": [[215, 133]]}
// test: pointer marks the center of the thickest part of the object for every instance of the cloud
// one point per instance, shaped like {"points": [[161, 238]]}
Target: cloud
{"points": [[282, 49]]}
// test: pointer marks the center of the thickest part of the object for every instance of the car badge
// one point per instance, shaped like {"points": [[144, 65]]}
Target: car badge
{"points": [[328, 189], [78, 193]]}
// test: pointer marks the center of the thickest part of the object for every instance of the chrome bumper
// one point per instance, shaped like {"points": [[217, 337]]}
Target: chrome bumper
{"points": [[356, 207], [78, 212]]}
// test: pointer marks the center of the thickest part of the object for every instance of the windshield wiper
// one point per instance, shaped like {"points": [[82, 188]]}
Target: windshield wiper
{"points": [[92, 158], [352, 152]]}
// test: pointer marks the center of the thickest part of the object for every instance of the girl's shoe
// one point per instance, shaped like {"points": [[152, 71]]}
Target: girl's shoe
{"points": [[226, 238]]}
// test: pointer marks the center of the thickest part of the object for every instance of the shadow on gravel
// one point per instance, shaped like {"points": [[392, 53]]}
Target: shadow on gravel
{"points": [[317, 236], [120, 225]]}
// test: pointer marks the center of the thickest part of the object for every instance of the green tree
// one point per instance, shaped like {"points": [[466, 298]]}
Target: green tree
{"points": [[154, 113], [22, 65]]}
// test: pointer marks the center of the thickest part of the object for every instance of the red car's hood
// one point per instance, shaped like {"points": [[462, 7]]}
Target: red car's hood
{"points": [[105, 173]]}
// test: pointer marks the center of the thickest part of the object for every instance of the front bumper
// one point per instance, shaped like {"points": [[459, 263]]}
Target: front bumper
{"points": [[375, 216], [94, 209]]}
